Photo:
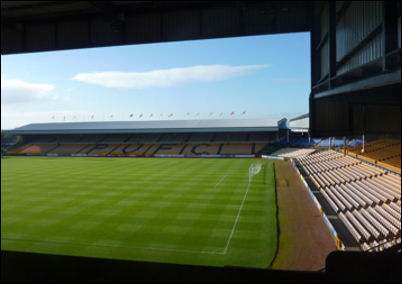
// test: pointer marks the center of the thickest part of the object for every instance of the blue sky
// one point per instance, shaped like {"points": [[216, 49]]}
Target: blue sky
{"points": [[254, 77]]}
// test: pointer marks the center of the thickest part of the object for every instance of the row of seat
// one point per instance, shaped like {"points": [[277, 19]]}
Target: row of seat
{"points": [[320, 157], [293, 152], [384, 153], [367, 199], [375, 224], [143, 149], [33, 149], [329, 165], [344, 175], [373, 146], [156, 138]]}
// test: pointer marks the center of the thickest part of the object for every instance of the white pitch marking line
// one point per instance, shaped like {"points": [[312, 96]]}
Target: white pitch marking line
{"points": [[237, 219], [222, 178], [152, 248]]}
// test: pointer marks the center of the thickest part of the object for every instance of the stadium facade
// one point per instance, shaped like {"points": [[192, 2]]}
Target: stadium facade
{"points": [[148, 138], [225, 137]]}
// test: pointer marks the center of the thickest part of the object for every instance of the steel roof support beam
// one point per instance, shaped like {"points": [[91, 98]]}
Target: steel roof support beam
{"points": [[332, 43], [365, 84], [389, 32]]}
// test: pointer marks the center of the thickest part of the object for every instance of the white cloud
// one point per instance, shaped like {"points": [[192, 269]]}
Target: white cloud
{"points": [[16, 91], [13, 119], [165, 77]]}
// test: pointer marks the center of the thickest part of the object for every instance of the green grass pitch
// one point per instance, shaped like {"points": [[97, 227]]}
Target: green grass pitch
{"points": [[187, 211]]}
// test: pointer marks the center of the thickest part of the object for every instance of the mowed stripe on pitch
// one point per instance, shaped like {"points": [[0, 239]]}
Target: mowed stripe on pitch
{"points": [[166, 203]]}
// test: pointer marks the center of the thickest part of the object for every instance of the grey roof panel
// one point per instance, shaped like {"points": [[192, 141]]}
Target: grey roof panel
{"points": [[300, 123], [103, 127], [300, 117]]}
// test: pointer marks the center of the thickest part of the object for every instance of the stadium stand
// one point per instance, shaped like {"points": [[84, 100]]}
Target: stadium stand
{"points": [[259, 137], [166, 149], [365, 198], [33, 149], [144, 138], [189, 149], [296, 140], [293, 139], [143, 149], [201, 138], [166, 144], [9, 142], [100, 149], [221, 137], [45, 139], [68, 149], [230, 137], [323, 143], [338, 141], [91, 138], [115, 138], [147, 138], [354, 142], [293, 152], [303, 142], [175, 138], [384, 153], [67, 139], [239, 148]]}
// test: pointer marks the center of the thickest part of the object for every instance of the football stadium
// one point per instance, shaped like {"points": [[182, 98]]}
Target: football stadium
{"points": [[317, 196], [194, 192]]}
